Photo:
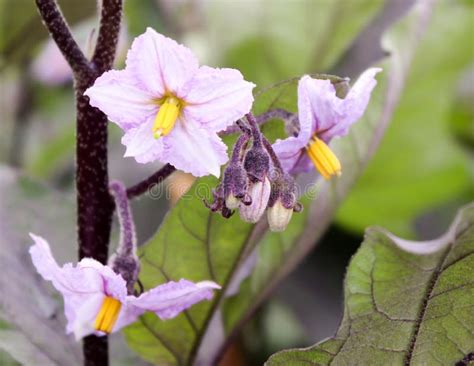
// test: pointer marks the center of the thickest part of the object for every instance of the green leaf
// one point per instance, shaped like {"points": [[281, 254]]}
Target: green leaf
{"points": [[401, 307], [419, 165], [281, 39]]}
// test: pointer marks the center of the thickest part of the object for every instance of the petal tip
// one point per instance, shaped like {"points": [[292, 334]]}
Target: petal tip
{"points": [[208, 285]]}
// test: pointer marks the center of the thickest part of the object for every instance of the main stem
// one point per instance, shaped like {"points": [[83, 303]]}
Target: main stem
{"points": [[94, 204]]}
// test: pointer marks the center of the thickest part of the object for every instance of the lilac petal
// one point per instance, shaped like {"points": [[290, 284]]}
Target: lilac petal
{"points": [[303, 164], [142, 145], [355, 103], [170, 299], [326, 108], [68, 279], [86, 313], [194, 150], [81, 286], [117, 94], [160, 64], [216, 98], [290, 149], [128, 314]]}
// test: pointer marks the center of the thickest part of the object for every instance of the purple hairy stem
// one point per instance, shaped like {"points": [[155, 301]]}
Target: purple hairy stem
{"points": [[156, 178], [107, 39], [59, 30], [125, 261], [256, 134], [127, 245], [277, 113], [94, 204], [271, 152], [237, 151]]}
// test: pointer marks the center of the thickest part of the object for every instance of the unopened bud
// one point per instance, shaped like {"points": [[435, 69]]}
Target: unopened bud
{"points": [[128, 266], [235, 185], [279, 217], [259, 193], [232, 202], [282, 202], [342, 88]]}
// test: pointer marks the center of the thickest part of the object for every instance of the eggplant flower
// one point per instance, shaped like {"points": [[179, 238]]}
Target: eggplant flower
{"points": [[95, 297], [322, 116], [170, 108]]}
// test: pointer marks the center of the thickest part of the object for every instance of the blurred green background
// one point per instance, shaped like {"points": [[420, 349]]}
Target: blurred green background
{"points": [[422, 172]]}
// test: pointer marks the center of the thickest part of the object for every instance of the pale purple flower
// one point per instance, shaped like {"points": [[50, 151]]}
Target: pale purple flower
{"points": [[170, 108], [95, 297], [323, 116]]}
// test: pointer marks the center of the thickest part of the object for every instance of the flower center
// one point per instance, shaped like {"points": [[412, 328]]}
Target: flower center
{"points": [[323, 158], [167, 116], [108, 315]]}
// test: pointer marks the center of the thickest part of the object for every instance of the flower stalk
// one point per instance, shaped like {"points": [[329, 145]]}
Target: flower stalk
{"points": [[125, 260]]}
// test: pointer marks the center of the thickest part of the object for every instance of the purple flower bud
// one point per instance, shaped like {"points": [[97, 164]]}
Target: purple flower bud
{"points": [[128, 266], [257, 163], [235, 185], [282, 202], [259, 193]]}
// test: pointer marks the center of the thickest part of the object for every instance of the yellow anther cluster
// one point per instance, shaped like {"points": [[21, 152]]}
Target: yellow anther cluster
{"points": [[166, 117], [323, 158], [108, 315]]}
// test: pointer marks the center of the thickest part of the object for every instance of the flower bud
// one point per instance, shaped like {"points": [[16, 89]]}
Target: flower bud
{"points": [[128, 266], [342, 88], [279, 216], [257, 163], [235, 185], [259, 193], [282, 202]]}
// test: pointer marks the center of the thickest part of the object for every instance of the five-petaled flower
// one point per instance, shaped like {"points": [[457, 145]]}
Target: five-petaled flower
{"points": [[170, 108], [322, 115], [95, 297]]}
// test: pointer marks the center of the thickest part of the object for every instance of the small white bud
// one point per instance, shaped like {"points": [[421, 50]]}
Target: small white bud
{"points": [[259, 193], [278, 217], [232, 202]]}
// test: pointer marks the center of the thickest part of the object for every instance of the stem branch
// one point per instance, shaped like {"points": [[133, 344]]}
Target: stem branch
{"points": [[156, 178], [59, 30]]}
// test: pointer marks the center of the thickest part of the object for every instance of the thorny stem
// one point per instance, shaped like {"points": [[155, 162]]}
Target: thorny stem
{"points": [[156, 178], [94, 204]]}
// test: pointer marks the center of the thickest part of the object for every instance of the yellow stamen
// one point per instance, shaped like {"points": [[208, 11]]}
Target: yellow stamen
{"points": [[166, 117], [323, 158], [108, 315]]}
